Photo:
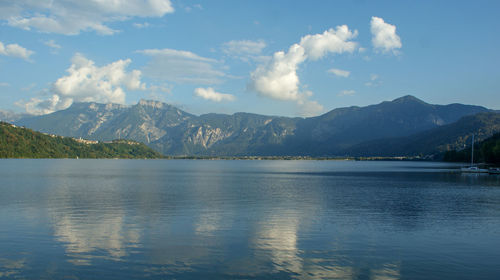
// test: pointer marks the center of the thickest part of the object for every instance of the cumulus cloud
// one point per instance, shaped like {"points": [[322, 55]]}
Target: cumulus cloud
{"points": [[346, 92], [278, 78], [70, 17], [211, 94], [384, 37], [339, 72], [182, 67], [331, 41], [87, 82], [14, 50]]}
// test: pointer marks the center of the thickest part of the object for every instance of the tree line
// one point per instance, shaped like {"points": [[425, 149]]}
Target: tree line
{"points": [[487, 151]]}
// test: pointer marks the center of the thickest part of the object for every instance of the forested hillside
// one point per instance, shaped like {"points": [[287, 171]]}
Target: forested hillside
{"points": [[487, 151], [17, 142]]}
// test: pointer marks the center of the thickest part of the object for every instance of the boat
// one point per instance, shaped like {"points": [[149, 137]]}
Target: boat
{"points": [[494, 170], [472, 168]]}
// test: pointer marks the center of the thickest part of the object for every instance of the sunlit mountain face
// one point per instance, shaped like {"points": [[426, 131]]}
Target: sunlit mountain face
{"points": [[175, 132]]}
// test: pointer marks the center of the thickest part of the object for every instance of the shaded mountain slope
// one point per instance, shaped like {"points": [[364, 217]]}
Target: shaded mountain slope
{"points": [[434, 141], [339, 129]]}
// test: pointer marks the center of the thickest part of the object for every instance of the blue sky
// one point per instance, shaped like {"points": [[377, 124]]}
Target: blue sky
{"points": [[293, 58]]}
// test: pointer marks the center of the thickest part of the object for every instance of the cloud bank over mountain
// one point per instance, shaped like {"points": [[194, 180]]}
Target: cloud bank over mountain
{"points": [[87, 82], [211, 94]]}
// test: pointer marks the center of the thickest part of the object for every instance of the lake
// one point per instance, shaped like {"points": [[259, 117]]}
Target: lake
{"points": [[202, 219]]}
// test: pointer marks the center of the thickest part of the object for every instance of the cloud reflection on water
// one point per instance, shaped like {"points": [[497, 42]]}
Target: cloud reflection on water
{"points": [[166, 222], [388, 271], [90, 220], [277, 239], [11, 268], [95, 236]]}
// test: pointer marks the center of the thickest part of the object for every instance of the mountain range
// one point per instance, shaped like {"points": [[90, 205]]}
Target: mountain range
{"points": [[404, 126]]}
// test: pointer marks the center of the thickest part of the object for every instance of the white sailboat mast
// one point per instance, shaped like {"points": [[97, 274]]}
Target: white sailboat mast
{"points": [[472, 154]]}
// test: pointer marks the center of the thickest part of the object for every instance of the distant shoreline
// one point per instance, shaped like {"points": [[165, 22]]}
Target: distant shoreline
{"points": [[297, 158], [259, 158]]}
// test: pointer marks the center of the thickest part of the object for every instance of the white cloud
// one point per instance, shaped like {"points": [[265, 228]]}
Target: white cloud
{"points": [[4, 84], [347, 92], [14, 50], [374, 81], [211, 94], [384, 37], [87, 82], [331, 41], [141, 25], [309, 108], [246, 50], [52, 44], [70, 17], [175, 54], [38, 106], [29, 87], [182, 67], [163, 88], [278, 78], [159, 92], [339, 72], [243, 47], [195, 6]]}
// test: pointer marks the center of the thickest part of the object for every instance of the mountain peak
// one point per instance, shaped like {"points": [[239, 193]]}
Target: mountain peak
{"points": [[408, 99], [94, 106], [152, 103]]}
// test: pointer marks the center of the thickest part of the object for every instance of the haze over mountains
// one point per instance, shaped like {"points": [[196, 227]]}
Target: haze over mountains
{"points": [[381, 129]]}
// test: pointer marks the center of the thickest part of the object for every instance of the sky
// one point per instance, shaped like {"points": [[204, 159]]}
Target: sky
{"points": [[288, 58]]}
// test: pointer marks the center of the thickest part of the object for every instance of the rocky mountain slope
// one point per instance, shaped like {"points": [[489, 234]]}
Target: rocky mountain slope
{"points": [[175, 132]]}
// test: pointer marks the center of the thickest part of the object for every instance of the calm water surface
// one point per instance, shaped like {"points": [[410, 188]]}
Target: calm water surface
{"points": [[160, 219]]}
